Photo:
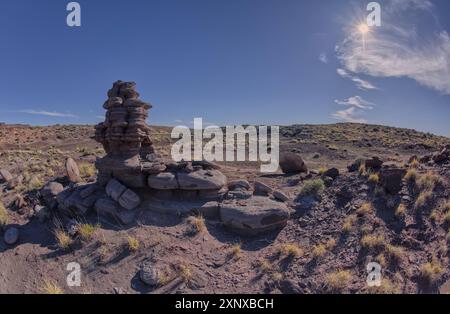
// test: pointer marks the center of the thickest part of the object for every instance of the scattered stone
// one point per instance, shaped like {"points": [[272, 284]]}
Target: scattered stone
{"points": [[355, 165], [88, 190], [5, 175], [149, 274], [441, 156], [41, 212], [129, 200], [316, 156], [280, 196], [374, 163], [19, 202], [262, 188], [202, 180], [114, 189], [239, 184], [289, 286], [333, 173], [73, 173], [11, 235], [239, 194], [163, 181], [292, 163], [392, 179], [253, 216], [328, 181]]}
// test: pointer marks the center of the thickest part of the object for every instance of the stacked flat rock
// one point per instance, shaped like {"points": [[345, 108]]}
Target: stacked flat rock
{"points": [[125, 137]]}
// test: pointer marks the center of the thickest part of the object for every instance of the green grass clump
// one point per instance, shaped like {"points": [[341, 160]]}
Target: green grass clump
{"points": [[313, 187]]}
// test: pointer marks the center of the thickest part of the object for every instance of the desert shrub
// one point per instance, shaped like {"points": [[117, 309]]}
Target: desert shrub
{"points": [[374, 178], [236, 249], [386, 287], [196, 224], [265, 265], [51, 287], [411, 175], [63, 239], [338, 280], [319, 251], [372, 242], [348, 224], [133, 244], [424, 198], [400, 211], [87, 170], [3, 216], [431, 272], [322, 170], [428, 182], [86, 231], [185, 272], [395, 253], [364, 209], [290, 250], [330, 244], [313, 187]]}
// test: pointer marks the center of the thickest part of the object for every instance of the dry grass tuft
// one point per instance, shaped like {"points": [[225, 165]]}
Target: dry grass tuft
{"points": [[373, 242], [290, 249], [196, 224], [87, 170], [374, 178], [338, 280], [3, 216], [63, 239], [86, 231], [313, 187], [51, 287], [133, 244], [365, 208], [431, 272]]}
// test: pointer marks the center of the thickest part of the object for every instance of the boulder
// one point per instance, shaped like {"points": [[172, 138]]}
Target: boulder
{"points": [[262, 188], [238, 184], [292, 163], [11, 235], [108, 207], [441, 156], [163, 181], [88, 189], [201, 180], [129, 200], [355, 165], [149, 273], [41, 212], [280, 196], [5, 175], [392, 179], [114, 189], [73, 173], [49, 193], [332, 173], [374, 163], [254, 216]]}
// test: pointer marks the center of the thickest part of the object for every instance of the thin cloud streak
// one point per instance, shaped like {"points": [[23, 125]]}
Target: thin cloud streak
{"points": [[47, 113]]}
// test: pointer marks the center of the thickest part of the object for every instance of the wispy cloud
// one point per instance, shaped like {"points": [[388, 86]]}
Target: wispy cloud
{"points": [[360, 83], [357, 108], [406, 45], [356, 101], [323, 58], [349, 115], [47, 113]]}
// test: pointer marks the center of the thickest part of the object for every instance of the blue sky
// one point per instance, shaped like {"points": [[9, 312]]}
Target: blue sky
{"points": [[229, 61]]}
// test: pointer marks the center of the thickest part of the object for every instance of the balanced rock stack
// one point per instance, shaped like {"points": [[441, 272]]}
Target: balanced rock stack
{"points": [[133, 177], [125, 137]]}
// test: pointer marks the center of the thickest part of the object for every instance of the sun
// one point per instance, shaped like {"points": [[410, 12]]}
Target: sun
{"points": [[363, 28]]}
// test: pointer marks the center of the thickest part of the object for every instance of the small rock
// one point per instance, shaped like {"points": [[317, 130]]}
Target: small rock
{"points": [[280, 196], [392, 179], [11, 235], [114, 189], [5, 175], [292, 163], [236, 184], [41, 212], [19, 202], [374, 163], [73, 173], [129, 200], [333, 173], [316, 156], [262, 188], [149, 274]]}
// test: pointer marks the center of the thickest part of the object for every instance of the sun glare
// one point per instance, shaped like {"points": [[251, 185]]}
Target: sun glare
{"points": [[363, 28]]}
